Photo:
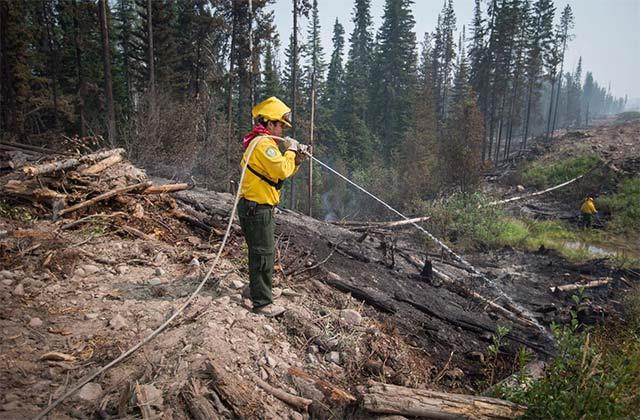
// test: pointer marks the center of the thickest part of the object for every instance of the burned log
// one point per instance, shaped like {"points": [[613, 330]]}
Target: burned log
{"points": [[381, 398], [377, 300]]}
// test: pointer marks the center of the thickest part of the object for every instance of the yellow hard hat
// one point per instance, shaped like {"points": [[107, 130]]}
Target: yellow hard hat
{"points": [[272, 109]]}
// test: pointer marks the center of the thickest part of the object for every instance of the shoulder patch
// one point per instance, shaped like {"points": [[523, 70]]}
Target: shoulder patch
{"points": [[271, 152]]}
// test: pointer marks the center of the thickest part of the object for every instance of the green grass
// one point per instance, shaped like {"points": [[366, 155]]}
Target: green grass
{"points": [[544, 175], [624, 206], [466, 222], [594, 375]]}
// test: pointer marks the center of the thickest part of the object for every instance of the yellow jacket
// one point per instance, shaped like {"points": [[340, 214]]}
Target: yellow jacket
{"points": [[588, 207], [267, 160]]}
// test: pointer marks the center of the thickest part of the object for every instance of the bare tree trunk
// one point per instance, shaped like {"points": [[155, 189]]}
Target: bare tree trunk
{"points": [[106, 59], [251, 59], [294, 93], [232, 55], [313, 112], [553, 85], [152, 72], [81, 85], [555, 114], [53, 60], [528, 118]]}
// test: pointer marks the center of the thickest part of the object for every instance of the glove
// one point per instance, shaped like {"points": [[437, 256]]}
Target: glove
{"points": [[291, 144], [304, 149]]}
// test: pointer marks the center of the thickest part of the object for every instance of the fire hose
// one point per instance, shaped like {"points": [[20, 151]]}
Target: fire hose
{"points": [[521, 311]]}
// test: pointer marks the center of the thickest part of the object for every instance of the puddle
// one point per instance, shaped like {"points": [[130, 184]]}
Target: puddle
{"points": [[601, 250]]}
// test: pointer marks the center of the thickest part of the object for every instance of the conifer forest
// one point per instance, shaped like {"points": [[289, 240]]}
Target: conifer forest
{"points": [[174, 82]]}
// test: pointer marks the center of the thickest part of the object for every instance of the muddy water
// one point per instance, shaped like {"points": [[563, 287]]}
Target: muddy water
{"points": [[611, 249]]}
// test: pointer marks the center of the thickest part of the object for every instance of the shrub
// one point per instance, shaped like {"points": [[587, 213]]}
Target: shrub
{"points": [[594, 376], [543, 175], [624, 206]]}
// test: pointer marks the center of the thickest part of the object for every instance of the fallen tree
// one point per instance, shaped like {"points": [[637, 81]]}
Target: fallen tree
{"points": [[382, 398]]}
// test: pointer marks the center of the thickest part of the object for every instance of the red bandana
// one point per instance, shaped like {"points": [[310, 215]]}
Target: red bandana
{"points": [[258, 130]]}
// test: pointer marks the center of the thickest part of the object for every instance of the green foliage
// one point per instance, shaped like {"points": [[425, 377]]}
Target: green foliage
{"points": [[543, 175], [467, 221], [15, 213], [594, 376], [624, 206], [493, 350]]}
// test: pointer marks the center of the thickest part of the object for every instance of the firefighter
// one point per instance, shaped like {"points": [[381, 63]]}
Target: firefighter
{"points": [[588, 209], [260, 192]]}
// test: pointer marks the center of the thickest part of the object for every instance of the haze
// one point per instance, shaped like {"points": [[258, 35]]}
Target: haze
{"points": [[606, 33]]}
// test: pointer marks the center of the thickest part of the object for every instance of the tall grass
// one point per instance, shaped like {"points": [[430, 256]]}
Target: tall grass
{"points": [[548, 174], [624, 206], [467, 222]]}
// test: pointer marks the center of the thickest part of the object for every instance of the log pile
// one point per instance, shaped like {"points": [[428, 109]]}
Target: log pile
{"points": [[65, 186]]}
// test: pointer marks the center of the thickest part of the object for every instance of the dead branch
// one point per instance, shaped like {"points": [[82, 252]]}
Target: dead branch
{"points": [[104, 196], [292, 400], [389, 225], [167, 188], [392, 399], [32, 149], [102, 165], [46, 168], [137, 233], [143, 402], [577, 286], [88, 218], [332, 393]]}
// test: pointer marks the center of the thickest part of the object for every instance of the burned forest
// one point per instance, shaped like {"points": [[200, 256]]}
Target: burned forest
{"points": [[232, 209]]}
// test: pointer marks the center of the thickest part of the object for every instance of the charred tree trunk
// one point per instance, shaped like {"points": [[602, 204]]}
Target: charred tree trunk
{"points": [[106, 60], [152, 73], [81, 87]]}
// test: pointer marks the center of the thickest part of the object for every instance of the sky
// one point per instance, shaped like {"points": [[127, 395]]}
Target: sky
{"points": [[607, 33]]}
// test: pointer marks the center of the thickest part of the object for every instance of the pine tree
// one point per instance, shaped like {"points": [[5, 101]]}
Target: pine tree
{"points": [[360, 142], [444, 55], [332, 141], [540, 39], [476, 47], [335, 76], [564, 35], [587, 97], [462, 145], [419, 151], [394, 74], [15, 67], [271, 85]]}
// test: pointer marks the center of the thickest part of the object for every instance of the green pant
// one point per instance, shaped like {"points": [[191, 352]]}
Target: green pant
{"points": [[258, 228]]}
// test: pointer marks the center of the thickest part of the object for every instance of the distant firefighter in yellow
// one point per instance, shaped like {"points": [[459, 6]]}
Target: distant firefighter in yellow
{"points": [[588, 209]]}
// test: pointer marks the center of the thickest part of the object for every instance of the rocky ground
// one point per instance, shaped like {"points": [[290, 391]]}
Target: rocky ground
{"points": [[77, 291]]}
